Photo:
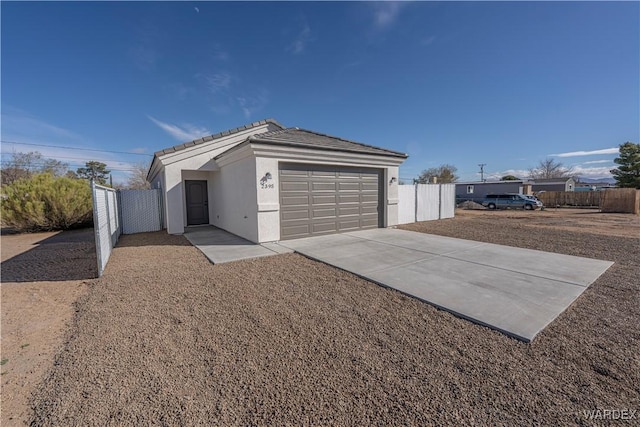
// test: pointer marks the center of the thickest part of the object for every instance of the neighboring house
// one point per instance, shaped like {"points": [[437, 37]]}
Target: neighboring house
{"points": [[593, 186], [554, 184], [478, 190], [265, 182]]}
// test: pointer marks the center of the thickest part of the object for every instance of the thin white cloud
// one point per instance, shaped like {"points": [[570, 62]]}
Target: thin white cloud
{"points": [[299, 44], [196, 9], [520, 173], [428, 41], [593, 172], [587, 153], [254, 103], [139, 150], [143, 51], [187, 132], [386, 13], [585, 172], [593, 162], [220, 54], [218, 82], [19, 122]]}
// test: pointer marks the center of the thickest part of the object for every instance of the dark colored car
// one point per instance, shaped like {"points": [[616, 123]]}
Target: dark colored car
{"points": [[511, 201]]}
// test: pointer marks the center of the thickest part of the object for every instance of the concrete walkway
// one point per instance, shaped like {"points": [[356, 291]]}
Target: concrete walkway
{"points": [[221, 246], [516, 291]]}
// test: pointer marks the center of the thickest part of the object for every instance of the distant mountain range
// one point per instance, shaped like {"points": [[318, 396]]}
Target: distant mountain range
{"points": [[597, 180]]}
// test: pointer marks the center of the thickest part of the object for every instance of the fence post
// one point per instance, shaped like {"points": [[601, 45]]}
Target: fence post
{"points": [[96, 227], [439, 201], [415, 202], [106, 198]]}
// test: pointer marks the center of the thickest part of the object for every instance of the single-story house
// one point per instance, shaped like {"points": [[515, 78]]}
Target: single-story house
{"points": [[266, 182], [554, 184], [476, 191]]}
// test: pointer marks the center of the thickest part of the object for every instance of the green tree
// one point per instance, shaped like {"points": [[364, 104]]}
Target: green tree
{"points": [[94, 170], [444, 173], [628, 173], [46, 202], [509, 178], [550, 168]]}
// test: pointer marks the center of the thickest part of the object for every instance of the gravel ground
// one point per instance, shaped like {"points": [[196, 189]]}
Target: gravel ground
{"points": [[41, 279], [166, 338]]}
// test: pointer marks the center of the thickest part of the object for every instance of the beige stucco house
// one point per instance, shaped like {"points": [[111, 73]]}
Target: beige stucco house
{"points": [[265, 182]]}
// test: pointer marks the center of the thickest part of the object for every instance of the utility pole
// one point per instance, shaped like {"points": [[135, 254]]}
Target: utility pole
{"points": [[482, 165]]}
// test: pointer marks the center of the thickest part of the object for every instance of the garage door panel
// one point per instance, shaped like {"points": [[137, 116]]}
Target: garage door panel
{"points": [[324, 227], [293, 172], [354, 174], [322, 173], [296, 231], [323, 213], [323, 186], [295, 186], [369, 223], [373, 209], [349, 224], [348, 198], [323, 199], [348, 210], [295, 200], [295, 214], [349, 186], [369, 186], [369, 198], [318, 199]]}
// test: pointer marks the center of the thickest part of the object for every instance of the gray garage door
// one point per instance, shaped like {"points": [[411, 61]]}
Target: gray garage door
{"points": [[317, 200]]}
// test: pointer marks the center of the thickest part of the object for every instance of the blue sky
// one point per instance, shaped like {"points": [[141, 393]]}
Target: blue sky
{"points": [[502, 83]]}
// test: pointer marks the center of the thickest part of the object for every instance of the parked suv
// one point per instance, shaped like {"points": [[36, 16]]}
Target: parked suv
{"points": [[511, 200]]}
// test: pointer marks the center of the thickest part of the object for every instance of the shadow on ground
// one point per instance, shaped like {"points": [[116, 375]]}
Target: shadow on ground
{"points": [[69, 255], [153, 238]]}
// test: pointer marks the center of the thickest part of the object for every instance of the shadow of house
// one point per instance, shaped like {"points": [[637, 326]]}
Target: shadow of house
{"points": [[152, 238], [69, 255]]}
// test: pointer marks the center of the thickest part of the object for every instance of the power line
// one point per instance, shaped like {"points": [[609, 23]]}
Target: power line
{"points": [[63, 157], [73, 148], [8, 162]]}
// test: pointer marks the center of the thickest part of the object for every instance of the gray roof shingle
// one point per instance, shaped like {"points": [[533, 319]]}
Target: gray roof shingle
{"points": [[308, 139]]}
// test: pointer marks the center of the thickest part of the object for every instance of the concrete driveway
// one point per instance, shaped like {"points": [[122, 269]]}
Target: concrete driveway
{"points": [[516, 291]]}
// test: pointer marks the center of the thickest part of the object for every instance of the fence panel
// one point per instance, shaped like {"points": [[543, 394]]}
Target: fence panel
{"points": [[447, 200], [571, 198], [105, 223], [406, 204], [428, 202], [140, 210], [621, 200]]}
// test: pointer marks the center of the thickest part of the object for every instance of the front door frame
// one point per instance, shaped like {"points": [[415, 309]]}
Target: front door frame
{"points": [[205, 194]]}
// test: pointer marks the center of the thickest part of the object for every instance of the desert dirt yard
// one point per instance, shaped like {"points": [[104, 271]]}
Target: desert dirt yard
{"points": [[166, 338], [43, 274]]}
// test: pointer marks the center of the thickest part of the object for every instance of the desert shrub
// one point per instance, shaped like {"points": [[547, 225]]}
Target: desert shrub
{"points": [[45, 202]]}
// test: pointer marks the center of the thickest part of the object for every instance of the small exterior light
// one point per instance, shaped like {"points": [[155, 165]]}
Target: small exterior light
{"points": [[267, 175], [393, 179]]}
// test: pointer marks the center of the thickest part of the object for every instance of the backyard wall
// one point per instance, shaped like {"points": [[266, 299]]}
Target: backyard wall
{"points": [[621, 200], [571, 198]]}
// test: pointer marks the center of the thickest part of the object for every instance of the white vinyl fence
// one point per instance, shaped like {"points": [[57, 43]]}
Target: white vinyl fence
{"points": [[425, 202], [122, 212], [106, 225], [140, 210]]}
